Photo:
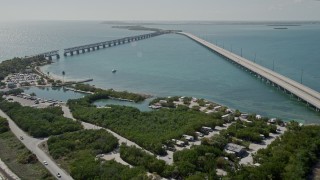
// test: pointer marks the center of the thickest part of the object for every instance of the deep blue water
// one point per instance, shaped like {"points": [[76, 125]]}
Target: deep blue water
{"points": [[174, 65]]}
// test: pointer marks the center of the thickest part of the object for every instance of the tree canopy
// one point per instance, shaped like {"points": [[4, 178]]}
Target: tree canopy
{"points": [[4, 125], [39, 122], [148, 129]]}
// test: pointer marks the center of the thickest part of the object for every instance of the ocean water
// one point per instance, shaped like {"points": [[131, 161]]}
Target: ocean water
{"points": [[172, 64]]}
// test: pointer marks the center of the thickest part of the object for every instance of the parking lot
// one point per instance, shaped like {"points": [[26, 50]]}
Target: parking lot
{"points": [[32, 102]]}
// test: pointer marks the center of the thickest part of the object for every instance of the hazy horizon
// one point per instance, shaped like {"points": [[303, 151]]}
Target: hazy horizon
{"points": [[165, 10]]}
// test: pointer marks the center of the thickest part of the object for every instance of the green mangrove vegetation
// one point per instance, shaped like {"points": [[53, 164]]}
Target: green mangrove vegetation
{"points": [[95, 141], [202, 159], [17, 65], [252, 131], [110, 93], [18, 158], [138, 157], [39, 122], [148, 129], [4, 125], [290, 157], [79, 153]]}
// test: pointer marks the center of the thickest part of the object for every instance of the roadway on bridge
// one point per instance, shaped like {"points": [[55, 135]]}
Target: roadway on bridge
{"points": [[307, 94]]}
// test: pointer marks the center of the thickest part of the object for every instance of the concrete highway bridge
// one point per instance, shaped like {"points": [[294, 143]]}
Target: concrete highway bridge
{"points": [[302, 92], [48, 55], [96, 46]]}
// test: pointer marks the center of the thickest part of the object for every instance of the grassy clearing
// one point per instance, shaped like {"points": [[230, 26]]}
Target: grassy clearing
{"points": [[12, 151]]}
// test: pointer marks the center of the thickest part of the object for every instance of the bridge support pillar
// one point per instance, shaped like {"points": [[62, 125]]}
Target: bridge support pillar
{"points": [[71, 53], [88, 49], [58, 56], [83, 51], [50, 58], [77, 51], [98, 47], [65, 54], [104, 46], [93, 48]]}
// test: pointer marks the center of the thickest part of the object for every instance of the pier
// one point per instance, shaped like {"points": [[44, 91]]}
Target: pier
{"points": [[106, 44], [287, 85], [48, 55]]}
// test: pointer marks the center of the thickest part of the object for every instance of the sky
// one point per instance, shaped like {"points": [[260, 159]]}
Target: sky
{"points": [[161, 10]]}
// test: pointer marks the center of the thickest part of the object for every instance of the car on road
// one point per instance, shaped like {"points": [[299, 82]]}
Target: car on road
{"points": [[59, 175], [45, 163], [21, 137]]}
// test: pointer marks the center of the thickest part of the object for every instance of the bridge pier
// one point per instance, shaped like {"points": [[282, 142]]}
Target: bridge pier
{"points": [[294, 89], [58, 56], [97, 46]]}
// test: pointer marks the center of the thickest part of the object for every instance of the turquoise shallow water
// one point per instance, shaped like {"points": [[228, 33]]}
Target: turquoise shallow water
{"points": [[174, 65]]}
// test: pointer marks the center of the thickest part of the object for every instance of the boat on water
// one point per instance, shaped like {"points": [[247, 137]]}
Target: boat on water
{"points": [[114, 70]]}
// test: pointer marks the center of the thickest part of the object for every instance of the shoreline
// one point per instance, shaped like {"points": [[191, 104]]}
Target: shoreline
{"points": [[148, 96], [75, 81], [285, 117]]}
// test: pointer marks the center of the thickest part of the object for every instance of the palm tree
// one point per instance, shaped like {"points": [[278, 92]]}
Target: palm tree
{"points": [[63, 74]]}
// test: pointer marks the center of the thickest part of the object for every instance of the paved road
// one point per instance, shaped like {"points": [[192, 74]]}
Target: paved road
{"points": [[307, 94], [32, 144]]}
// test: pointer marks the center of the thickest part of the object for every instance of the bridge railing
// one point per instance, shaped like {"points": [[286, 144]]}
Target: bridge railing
{"points": [[301, 91]]}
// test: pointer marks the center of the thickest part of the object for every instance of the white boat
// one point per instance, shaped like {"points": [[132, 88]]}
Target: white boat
{"points": [[114, 70]]}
